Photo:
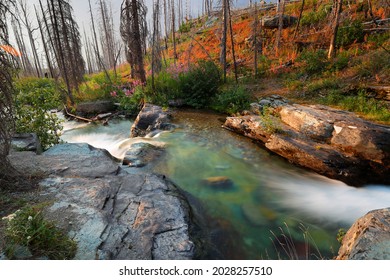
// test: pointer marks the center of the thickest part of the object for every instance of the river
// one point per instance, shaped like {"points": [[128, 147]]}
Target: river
{"points": [[271, 210]]}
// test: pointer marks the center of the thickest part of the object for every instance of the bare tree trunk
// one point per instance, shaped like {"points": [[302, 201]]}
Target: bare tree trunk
{"points": [[299, 19], [224, 39], [96, 46], [45, 47], [173, 30], [279, 33], [232, 41], [27, 24], [27, 67], [138, 44], [58, 50], [255, 42], [332, 46]]}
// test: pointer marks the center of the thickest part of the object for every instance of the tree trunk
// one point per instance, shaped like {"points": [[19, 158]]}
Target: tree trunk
{"points": [[138, 44], [224, 39], [232, 41], [173, 30], [332, 46], [299, 19], [279, 33]]}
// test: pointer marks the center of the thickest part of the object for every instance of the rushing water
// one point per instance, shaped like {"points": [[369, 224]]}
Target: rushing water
{"points": [[269, 197]]}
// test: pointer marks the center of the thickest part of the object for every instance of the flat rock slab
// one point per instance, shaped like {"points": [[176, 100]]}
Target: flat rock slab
{"points": [[109, 213]]}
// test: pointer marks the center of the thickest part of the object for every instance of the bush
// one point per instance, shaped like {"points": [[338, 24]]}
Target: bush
{"points": [[28, 228], [165, 88], [370, 107], [33, 101], [232, 100], [315, 61], [350, 32], [200, 84]]}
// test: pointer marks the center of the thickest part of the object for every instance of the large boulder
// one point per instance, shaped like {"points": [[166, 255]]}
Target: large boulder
{"points": [[368, 238], [331, 142], [111, 214], [272, 22], [150, 118]]}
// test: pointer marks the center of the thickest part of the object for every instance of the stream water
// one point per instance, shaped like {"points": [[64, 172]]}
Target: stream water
{"points": [[269, 200]]}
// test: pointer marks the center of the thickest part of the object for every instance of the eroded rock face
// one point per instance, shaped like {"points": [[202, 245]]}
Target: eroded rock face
{"points": [[110, 214], [331, 142], [368, 238], [149, 119]]}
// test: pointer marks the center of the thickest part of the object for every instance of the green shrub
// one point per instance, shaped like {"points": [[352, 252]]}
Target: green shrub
{"points": [[185, 27], [28, 228], [375, 63], [315, 17], [200, 84], [34, 99], [315, 61], [340, 62], [322, 86], [350, 32], [232, 100], [165, 88]]}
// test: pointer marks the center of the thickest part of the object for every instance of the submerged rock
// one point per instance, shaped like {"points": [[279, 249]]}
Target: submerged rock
{"points": [[368, 238], [219, 182], [141, 154]]}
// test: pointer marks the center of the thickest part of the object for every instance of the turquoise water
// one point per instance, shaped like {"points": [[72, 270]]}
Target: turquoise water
{"points": [[265, 199]]}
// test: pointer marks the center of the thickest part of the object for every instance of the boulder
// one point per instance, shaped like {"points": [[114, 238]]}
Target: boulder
{"points": [[149, 119], [331, 142], [109, 213], [26, 142], [95, 107], [272, 22], [368, 238]]}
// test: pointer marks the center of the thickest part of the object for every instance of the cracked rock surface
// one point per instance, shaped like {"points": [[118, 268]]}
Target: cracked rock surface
{"points": [[110, 213]]}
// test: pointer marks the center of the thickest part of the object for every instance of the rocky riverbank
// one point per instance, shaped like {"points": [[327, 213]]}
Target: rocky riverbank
{"points": [[331, 142], [109, 213]]}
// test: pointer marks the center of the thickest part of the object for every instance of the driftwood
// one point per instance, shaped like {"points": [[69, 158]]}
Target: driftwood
{"points": [[101, 117]]}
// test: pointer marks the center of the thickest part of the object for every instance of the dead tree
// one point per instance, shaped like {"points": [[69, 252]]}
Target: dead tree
{"points": [[232, 41], [332, 45], [280, 28], [156, 38], [299, 19], [24, 18], [133, 31], [173, 23], [24, 59], [45, 46], [224, 38]]}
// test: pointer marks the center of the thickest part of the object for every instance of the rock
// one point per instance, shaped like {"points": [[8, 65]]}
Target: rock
{"points": [[26, 142], [330, 142], [273, 22], [95, 107], [149, 119], [112, 215], [68, 160], [140, 154], [368, 238], [306, 120], [219, 182], [20, 252]]}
